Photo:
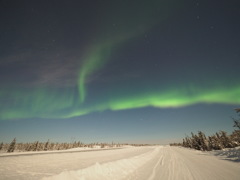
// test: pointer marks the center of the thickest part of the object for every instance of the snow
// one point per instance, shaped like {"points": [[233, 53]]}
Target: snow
{"points": [[137, 163], [82, 149], [232, 154], [113, 170]]}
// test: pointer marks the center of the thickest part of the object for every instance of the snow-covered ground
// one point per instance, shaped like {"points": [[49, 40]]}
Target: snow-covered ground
{"points": [[79, 149], [137, 163], [232, 154]]}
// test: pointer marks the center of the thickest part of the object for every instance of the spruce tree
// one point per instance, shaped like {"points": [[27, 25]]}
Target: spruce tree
{"points": [[46, 146], [225, 139], [203, 141], [237, 121], [35, 146], [1, 146], [12, 146]]}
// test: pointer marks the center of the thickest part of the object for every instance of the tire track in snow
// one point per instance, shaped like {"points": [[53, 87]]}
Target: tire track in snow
{"points": [[153, 174]]}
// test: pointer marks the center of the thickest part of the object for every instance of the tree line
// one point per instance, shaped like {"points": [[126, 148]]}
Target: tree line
{"points": [[217, 141], [50, 146]]}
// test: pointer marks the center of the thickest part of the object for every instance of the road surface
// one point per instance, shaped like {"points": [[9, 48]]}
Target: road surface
{"points": [[133, 163]]}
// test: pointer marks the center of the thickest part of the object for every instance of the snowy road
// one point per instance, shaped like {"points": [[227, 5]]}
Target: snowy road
{"points": [[137, 163]]}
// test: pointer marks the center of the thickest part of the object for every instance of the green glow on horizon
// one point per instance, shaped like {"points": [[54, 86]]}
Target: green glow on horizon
{"points": [[171, 99], [49, 104], [34, 103]]}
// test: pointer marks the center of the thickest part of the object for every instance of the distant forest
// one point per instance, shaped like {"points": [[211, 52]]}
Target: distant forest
{"points": [[51, 146], [217, 141]]}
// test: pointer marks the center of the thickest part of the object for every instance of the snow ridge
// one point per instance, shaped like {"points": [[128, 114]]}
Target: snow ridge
{"points": [[119, 169]]}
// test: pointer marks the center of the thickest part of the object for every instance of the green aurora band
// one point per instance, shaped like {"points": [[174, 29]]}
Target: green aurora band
{"points": [[95, 61], [169, 99], [53, 106]]}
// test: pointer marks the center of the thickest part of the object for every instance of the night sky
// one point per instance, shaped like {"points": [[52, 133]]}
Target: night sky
{"points": [[124, 71]]}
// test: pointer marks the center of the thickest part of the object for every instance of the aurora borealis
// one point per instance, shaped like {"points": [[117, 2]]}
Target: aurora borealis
{"points": [[66, 61]]}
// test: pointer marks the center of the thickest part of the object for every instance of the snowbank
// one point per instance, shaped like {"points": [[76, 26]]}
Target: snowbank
{"points": [[109, 171], [232, 154]]}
